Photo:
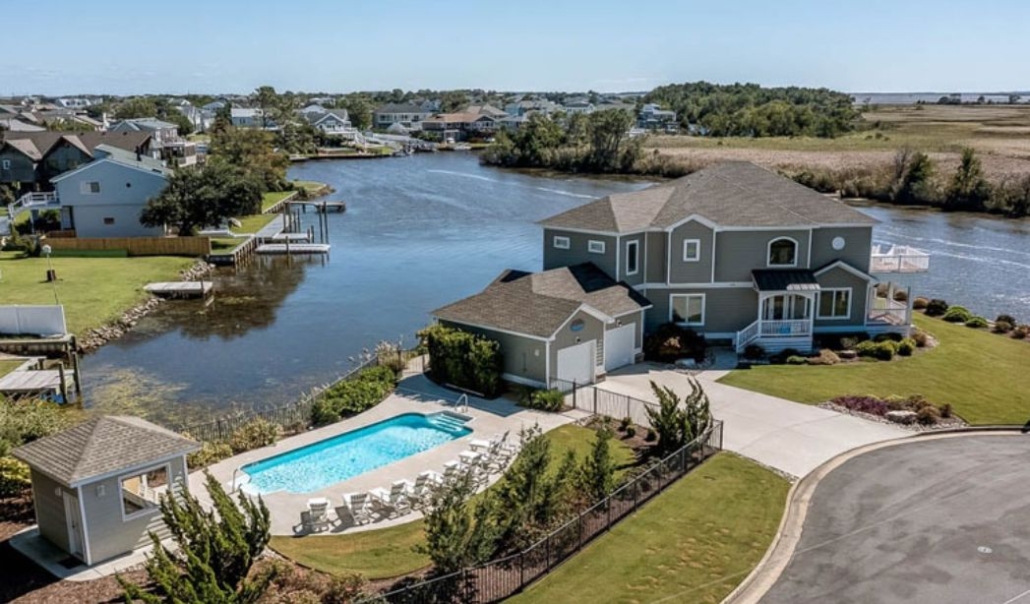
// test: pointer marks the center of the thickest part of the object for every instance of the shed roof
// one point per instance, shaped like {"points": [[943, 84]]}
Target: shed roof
{"points": [[102, 446], [785, 279], [732, 194], [537, 304]]}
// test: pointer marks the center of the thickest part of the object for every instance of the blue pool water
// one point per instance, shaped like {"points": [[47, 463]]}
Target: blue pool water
{"points": [[339, 458]]}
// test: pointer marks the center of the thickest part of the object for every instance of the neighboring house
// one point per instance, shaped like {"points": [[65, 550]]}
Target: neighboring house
{"points": [[578, 106], [74, 103], [331, 121], [105, 197], [406, 114], [653, 117], [511, 122], [166, 144], [569, 323], [489, 110], [202, 120], [733, 251], [30, 159], [525, 107], [247, 117], [459, 126], [97, 486], [17, 125]]}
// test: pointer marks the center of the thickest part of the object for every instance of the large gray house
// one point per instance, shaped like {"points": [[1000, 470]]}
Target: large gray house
{"points": [[736, 252]]}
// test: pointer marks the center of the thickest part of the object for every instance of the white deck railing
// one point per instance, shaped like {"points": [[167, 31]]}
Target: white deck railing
{"points": [[785, 329], [746, 336], [883, 310], [31, 200], [898, 259]]}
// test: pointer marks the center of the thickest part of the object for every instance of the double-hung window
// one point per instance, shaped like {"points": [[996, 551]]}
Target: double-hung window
{"points": [[835, 304], [688, 309], [691, 250]]}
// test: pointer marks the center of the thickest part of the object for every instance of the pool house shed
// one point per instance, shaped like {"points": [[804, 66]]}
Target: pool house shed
{"points": [[96, 486]]}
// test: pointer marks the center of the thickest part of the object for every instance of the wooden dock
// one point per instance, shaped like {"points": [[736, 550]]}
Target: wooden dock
{"points": [[181, 289], [321, 206], [293, 248]]}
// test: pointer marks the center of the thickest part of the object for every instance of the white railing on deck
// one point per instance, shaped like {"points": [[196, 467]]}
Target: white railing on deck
{"points": [[29, 201], [746, 336], [898, 259], [883, 310], [785, 329]]}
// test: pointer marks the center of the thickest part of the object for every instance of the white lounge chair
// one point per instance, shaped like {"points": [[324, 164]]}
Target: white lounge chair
{"points": [[421, 492], [475, 465], [395, 501], [317, 516], [359, 507]]}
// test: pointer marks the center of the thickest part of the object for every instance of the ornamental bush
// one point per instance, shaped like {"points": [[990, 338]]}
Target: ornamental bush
{"points": [[920, 303], [957, 314], [883, 351], [256, 433], [544, 400], [463, 359], [352, 396], [977, 323], [906, 347], [1021, 332], [936, 307]]}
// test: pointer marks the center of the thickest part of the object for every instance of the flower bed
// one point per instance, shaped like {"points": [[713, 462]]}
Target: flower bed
{"points": [[913, 411]]}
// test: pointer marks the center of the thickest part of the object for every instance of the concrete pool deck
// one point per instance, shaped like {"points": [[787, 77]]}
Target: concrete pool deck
{"points": [[415, 394]]}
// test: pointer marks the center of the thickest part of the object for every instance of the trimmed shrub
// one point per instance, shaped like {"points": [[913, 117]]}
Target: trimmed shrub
{"points": [[957, 314], [936, 307], [1006, 318], [463, 359], [946, 411], [670, 343], [1002, 327], [651, 435], [625, 423], [258, 432], [901, 296], [796, 359], [906, 347], [883, 351], [825, 357], [546, 400], [354, 395], [14, 477], [920, 303], [209, 453], [889, 337], [977, 323], [1021, 332], [920, 337], [863, 404], [928, 415], [631, 431], [754, 352]]}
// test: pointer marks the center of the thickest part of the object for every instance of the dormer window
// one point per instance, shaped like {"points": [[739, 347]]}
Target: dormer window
{"points": [[783, 252]]}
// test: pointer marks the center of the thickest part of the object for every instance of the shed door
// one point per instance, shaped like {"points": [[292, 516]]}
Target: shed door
{"points": [[74, 522], [619, 344], [576, 363]]}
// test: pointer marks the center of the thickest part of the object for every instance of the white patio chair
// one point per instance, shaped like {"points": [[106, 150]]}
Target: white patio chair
{"points": [[394, 502], [317, 516], [359, 507], [421, 492]]}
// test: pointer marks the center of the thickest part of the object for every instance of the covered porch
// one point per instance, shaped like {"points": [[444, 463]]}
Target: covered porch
{"points": [[786, 310]]}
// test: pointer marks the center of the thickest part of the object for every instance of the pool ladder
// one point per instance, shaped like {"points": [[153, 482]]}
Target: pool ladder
{"points": [[462, 404]]}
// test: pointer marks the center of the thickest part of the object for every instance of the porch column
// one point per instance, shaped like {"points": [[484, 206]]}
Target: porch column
{"points": [[908, 308]]}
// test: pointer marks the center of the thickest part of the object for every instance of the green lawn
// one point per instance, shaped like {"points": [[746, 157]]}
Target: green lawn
{"points": [[693, 543], [388, 552], [271, 198], [221, 244], [254, 222], [983, 376], [94, 291], [9, 366], [311, 186]]}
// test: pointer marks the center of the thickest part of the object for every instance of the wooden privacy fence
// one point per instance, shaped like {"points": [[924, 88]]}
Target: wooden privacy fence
{"points": [[503, 578], [136, 246]]}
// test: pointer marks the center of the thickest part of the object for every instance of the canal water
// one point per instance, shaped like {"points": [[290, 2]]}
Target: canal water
{"points": [[420, 232]]}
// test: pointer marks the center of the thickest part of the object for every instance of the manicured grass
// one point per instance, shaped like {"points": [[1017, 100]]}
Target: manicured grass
{"points": [[94, 291], [9, 366], [377, 554], [983, 376], [271, 198], [388, 552], [693, 543], [225, 243], [311, 186], [254, 223]]}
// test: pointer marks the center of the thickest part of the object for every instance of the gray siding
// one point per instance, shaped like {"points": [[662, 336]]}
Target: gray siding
{"points": [[577, 252], [840, 278], [21, 170], [655, 257], [637, 278], [49, 505], [523, 357], [691, 272], [737, 253], [124, 191], [857, 247], [592, 330], [62, 158], [727, 309], [108, 534]]}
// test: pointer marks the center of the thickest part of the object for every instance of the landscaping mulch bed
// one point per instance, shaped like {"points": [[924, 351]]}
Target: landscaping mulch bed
{"points": [[942, 424]]}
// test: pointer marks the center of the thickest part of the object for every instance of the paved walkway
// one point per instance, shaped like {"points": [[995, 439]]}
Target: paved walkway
{"points": [[415, 394], [791, 437]]}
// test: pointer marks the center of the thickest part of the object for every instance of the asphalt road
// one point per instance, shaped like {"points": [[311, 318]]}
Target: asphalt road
{"points": [[943, 521]]}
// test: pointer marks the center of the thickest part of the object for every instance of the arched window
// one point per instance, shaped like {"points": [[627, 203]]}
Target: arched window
{"points": [[783, 252]]}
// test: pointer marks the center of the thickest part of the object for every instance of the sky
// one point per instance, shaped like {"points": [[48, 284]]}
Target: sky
{"points": [[233, 46]]}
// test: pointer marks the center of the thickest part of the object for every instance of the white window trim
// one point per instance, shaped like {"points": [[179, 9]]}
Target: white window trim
{"points": [[561, 243], [672, 309], [7, 164], [148, 511], [833, 290], [768, 253], [636, 269], [696, 258], [592, 246]]}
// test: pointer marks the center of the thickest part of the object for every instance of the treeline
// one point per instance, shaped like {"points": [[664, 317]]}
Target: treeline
{"points": [[914, 179], [595, 143], [752, 110]]}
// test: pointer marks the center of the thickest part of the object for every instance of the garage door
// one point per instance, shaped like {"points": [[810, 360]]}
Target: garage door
{"points": [[576, 363], [618, 346]]}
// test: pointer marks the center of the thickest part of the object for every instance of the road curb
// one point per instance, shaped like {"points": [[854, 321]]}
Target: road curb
{"points": [[781, 551]]}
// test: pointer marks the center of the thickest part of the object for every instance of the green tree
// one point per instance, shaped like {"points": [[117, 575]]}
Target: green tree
{"points": [[529, 494], [608, 130], [459, 533], [251, 150], [359, 111], [917, 185], [183, 125], [598, 470], [136, 107], [677, 421], [214, 551], [203, 197], [267, 99], [969, 189]]}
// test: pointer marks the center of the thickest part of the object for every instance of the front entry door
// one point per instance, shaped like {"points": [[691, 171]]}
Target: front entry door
{"points": [[786, 308], [73, 518]]}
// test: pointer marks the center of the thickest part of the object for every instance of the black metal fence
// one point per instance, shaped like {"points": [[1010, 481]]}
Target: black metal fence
{"points": [[500, 579], [599, 401]]}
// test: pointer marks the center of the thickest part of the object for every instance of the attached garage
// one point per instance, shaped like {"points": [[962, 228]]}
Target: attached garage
{"points": [[620, 346], [576, 363]]}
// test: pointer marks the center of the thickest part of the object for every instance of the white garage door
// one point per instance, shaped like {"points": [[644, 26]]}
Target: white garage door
{"points": [[576, 363], [618, 346]]}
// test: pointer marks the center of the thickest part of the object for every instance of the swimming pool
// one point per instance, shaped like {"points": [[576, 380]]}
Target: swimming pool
{"points": [[347, 455]]}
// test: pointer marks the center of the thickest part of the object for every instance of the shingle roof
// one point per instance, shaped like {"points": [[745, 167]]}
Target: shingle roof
{"points": [[143, 124], [738, 194], [785, 279], [38, 144], [101, 446], [400, 108], [537, 304]]}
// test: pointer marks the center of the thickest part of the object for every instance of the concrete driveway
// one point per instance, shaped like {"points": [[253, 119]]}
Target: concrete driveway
{"points": [[788, 436], [942, 520]]}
